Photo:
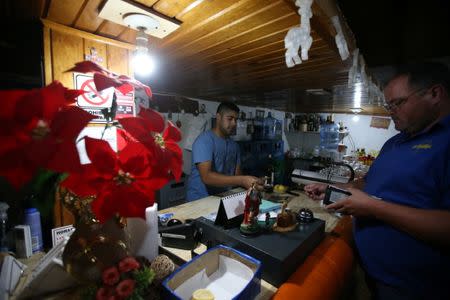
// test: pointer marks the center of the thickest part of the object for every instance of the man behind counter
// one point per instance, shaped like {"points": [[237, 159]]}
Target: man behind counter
{"points": [[401, 208], [216, 158]]}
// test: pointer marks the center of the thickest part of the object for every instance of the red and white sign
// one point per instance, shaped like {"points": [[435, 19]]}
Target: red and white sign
{"points": [[92, 98], [94, 101]]}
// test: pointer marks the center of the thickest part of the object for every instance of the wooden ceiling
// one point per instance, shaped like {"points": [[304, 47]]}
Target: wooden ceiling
{"points": [[228, 50]]}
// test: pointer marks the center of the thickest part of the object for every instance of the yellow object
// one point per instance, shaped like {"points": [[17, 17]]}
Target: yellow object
{"points": [[202, 294], [279, 188]]}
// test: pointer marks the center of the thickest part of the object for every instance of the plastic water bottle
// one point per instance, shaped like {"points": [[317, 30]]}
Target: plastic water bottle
{"points": [[33, 219], [329, 138], [272, 127]]}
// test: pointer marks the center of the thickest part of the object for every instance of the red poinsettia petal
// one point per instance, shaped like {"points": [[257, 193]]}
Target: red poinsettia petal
{"points": [[175, 159], [114, 200], [101, 155], [87, 66], [103, 82], [65, 158], [125, 88], [136, 83], [68, 123], [134, 159], [82, 184], [154, 121], [54, 98], [135, 127], [71, 95], [172, 133], [8, 101], [15, 169]]}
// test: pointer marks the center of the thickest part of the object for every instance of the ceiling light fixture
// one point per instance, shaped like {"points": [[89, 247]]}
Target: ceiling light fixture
{"points": [[143, 63]]}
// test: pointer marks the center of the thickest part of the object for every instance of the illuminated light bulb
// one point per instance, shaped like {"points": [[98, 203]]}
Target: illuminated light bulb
{"points": [[143, 64]]}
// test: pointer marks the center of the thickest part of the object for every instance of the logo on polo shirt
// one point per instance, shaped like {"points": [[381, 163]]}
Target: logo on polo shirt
{"points": [[422, 146]]}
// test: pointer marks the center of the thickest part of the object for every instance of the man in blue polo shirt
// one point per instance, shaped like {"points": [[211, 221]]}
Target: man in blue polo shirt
{"points": [[216, 158], [401, 208]]}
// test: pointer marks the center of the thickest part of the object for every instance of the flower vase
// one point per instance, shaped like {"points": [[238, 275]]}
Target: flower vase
{"points": [[93, 246]]}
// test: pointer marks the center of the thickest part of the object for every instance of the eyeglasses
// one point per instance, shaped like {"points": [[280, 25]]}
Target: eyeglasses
{"points": [[394, 104]]}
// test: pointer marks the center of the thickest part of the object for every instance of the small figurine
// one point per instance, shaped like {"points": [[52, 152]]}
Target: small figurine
{"points": [[250, 225]]}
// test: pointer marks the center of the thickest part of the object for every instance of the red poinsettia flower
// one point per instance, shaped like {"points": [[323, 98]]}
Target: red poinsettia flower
{"points": [[123, 183], [125, 288], [40, 131], [110, 276], [104, 79], [127, 264], [166, 154]]}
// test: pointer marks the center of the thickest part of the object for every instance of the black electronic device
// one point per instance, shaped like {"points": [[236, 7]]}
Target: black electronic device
{"points": [[183, 236], [334, 194], [280, 253]]}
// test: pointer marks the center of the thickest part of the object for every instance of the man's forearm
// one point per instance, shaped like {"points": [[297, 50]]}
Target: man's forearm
{"points": [[217, 179], [431, 226]]}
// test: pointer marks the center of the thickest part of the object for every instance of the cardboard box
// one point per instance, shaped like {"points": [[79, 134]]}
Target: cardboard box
{"points": [[226, 272]]}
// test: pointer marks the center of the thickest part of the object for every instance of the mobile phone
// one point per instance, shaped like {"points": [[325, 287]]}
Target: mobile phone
{"points": [[334, 194]]}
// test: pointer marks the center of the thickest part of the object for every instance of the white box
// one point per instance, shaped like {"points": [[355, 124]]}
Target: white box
{"points": [[22, 234]]}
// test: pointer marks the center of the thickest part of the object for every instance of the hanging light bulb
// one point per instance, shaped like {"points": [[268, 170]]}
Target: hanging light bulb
{"points": [[143, 64]]}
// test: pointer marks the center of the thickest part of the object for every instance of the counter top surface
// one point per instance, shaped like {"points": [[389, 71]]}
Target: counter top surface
{"points": [[210, 204]]}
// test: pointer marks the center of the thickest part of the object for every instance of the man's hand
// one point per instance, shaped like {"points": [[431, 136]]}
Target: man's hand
{"points": [[316, 191], [248, 181], [358, 204]]}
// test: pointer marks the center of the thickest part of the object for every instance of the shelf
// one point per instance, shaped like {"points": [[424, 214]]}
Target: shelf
{"points": [[341, 133]]}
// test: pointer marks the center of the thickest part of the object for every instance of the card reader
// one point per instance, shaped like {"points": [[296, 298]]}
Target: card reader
{"points": [[334, 194]]}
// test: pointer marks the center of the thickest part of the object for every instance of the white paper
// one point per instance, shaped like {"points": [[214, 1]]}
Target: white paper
{"points": [[227, 282], [109, 135], [234, 204]]}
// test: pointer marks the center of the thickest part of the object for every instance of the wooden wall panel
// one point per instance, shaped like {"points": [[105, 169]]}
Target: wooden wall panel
{"points": [[117, 59], [66, 51], [99, 47]]}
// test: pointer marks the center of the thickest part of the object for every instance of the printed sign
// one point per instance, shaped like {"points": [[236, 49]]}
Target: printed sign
{"points": [[60, 233], [94, 101]]}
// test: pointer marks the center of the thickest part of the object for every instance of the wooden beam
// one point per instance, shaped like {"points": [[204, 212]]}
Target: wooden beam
{"points": [[86, 35]]}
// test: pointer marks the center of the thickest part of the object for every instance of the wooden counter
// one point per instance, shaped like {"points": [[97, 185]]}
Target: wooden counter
{"points": [[205, 206]]}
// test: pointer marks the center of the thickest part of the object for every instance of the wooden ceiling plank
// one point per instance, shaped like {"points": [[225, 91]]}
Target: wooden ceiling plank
{"points": [[200, 17], [244, 48], [246, 60], [253, 19], [110, 29], [64, 11], [89, 19], [80, 11], [272, 31], [171, 8], [148, 3], [188, 8]]}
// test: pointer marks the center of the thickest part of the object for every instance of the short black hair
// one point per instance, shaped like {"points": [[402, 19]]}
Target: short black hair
{"points": [[227, 106], [425, 74]]}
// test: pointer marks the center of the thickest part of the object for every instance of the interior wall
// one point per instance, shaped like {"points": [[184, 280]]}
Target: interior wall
{"points": [[64, 48], [188, 121]]}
